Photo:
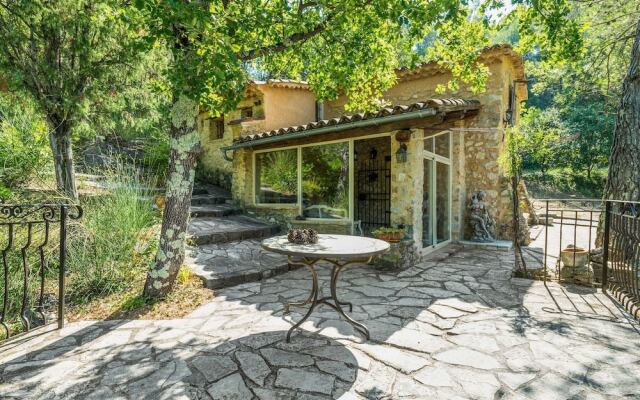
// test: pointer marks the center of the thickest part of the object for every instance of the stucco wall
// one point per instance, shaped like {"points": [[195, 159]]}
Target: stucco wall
{"points": [[287, 107]]}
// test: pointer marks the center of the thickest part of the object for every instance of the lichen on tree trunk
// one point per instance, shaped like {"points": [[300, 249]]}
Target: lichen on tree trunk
{"points": [[184, 149]]}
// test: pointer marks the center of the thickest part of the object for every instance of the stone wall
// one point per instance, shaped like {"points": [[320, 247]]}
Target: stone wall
{"points": [[406, 186], [458, 184], [477, 142], [213, 168]]}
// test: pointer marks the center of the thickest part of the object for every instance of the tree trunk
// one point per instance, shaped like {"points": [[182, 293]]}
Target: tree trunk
{"points": [[526, 199], [623, 179], [60, 143], [183, 153]]}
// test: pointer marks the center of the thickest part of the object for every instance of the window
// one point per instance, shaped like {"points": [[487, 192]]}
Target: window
{"points": [[216, 128], [438, 144], [246, 112], [442, 145], [325, 181], [277, 177], [510, 114]]}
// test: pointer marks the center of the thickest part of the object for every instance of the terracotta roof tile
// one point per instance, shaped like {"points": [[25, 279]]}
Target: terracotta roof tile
{"points": [[445, 105]]}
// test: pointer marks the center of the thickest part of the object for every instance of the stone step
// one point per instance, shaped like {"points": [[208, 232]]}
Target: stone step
{"points": [[211, 190], [208, 230], [233, 263], [208, 199], [214, 210]]}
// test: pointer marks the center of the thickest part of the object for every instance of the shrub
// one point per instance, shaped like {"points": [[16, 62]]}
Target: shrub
{"points": [[24, 150], [111, 247]]}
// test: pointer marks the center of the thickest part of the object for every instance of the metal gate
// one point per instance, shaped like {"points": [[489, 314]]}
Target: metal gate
{"points": [[373, 194], [32, 265]]}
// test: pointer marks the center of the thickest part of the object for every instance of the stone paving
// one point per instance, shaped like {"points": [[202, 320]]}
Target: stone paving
{"points": [[227, 264], [208, 230], [455, 326]]}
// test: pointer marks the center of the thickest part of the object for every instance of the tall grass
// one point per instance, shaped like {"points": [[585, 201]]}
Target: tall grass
{"points": [[111, 247]]}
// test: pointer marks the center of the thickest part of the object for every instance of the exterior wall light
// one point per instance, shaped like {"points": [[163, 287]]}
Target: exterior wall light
{"points": [[401, 154]]}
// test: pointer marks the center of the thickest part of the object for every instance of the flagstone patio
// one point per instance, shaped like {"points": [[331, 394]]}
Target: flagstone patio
{"points": [[454, 326]]}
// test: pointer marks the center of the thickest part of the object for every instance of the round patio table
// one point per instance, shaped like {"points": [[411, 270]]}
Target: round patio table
{"points": [[338, 250]]}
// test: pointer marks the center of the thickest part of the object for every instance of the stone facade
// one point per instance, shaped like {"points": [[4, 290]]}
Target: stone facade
{"points": [[476, 144], [273, 104], [406, 186]]}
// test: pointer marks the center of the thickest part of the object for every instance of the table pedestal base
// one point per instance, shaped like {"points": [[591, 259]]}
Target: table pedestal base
{"points": [[332, 301]]}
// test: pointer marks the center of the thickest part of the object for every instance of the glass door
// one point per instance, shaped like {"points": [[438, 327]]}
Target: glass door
{"points": [[427, 206], [443, 203], [436, 195]]}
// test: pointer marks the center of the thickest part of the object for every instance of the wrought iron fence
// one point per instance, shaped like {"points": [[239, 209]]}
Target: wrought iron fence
{"points": [[622, 253], [567, 246], [33, 253]]}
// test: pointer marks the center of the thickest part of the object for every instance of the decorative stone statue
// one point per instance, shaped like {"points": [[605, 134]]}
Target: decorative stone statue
{"points": [[480, 219]]}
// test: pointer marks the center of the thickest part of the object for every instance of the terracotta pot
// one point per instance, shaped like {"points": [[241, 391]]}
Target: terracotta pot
{"points": [[391, 237], [574, 257]]}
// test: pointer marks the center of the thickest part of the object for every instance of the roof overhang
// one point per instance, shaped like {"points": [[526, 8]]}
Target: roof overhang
{"points": [[385, 117]]}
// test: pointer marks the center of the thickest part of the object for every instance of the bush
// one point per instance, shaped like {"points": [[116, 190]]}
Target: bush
{"points": [[564, 182], [111, 247], [24, 150]]}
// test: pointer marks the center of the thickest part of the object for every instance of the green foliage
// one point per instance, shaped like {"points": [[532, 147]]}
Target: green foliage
{"points": [[156, 154], [510, 160], [346, 47], [386, 229], [60, 51], [109, 248], [325, 176], [279, 171], [457, 48], [134, 103], [577, 56], [561, 182], [114, 241], [570, 119], [541, 142], [23, 142], [550, 27]]}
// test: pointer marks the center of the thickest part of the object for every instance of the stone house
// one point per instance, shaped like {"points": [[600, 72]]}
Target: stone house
{"points": [[414, 163]]}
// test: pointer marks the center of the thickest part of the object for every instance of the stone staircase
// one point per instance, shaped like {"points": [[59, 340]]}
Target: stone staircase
{"points": [[225, 248]]}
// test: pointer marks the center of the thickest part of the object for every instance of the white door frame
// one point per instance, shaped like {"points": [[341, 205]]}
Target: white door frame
{"points": [[434, 159]]}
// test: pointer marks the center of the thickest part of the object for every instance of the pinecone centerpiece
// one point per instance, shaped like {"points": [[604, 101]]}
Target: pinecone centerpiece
{"points": [[302, 236]]}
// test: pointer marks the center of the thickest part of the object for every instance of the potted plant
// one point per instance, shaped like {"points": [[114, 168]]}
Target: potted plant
{"points": [[388, 234]]}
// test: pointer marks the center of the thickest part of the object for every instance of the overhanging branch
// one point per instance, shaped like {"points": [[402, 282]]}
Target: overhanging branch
{"points": [[283, 45]]}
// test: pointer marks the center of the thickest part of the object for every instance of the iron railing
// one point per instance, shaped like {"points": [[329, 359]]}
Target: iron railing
{"points": [[621, 253], [33, 252], [373, 195], [569, 248]]}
